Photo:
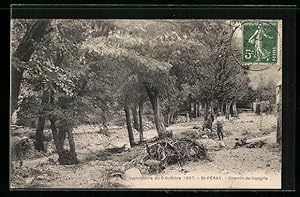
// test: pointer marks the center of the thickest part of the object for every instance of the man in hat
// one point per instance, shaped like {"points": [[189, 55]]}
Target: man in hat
{"points": [[219, 121]]}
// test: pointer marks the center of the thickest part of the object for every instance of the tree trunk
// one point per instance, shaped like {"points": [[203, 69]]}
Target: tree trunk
{"points": [[141, 129], [222, 107], [62, 132], [234, 109], [39, 141], [219, 106], [58, 143], [195, 110], [211, 108], [65, 157], [199, 109], [190, 108], [16, 78], [153, 97], [168, 116], [129, 127], [39, 137], [104, 123], [135, 117], [227, 110], [257, 110], [205, 111], [172, 117], [72, 146], [23, 53]]}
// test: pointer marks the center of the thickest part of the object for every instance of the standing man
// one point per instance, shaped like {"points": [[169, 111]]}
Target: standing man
{"points": [[220, 121]]}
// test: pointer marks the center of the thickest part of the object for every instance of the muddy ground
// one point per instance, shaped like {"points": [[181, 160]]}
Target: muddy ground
{"points": [[227, 167]]}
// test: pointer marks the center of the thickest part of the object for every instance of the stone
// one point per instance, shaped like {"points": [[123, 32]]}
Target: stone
{"points": [[40, 177], [152, 162], [28, 180], [116, 180], [132, 172], [221, 144], [208, 143]]}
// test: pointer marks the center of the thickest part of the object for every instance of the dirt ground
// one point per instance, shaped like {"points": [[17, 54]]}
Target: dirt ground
{"points": [[228, 168]]}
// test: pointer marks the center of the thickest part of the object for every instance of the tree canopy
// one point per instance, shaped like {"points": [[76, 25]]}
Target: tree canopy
{"points": [[81, 71]]}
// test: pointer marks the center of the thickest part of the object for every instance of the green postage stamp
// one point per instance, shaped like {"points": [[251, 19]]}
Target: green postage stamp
{"points": [[260, 42]]}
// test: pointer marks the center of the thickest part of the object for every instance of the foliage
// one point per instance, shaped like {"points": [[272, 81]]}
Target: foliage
{"points": [[90, 68]]}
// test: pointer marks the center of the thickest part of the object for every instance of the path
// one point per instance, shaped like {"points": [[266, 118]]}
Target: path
{"points": [[227, 162]]}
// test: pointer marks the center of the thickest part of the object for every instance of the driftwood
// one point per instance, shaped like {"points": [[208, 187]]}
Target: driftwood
{"points": [[171, 151], [251, 143]]}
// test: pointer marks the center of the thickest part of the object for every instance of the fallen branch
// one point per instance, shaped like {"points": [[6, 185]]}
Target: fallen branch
{"points": [[251, 143], [172, 151]]}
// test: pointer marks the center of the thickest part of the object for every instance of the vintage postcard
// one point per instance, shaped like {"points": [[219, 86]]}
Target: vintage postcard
{"points": [[147, 104]]}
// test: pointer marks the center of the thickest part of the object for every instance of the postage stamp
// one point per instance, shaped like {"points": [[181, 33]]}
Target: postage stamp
{"points": [[260, 42]]}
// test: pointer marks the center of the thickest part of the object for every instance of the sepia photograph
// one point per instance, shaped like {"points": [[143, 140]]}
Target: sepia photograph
{"points": [[146, 104]]}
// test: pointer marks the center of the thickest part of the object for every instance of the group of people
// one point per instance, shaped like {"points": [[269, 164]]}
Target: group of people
{"points": [[219, 120]]}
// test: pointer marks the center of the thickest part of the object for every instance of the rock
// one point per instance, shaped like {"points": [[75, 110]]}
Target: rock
{"points": [[154, 166], [126, 147], [208, 143], [28, 180], [132, 172], [204, 136], [40, 177], [196, 127], [152, 162], [116, 179], [221, 144]]}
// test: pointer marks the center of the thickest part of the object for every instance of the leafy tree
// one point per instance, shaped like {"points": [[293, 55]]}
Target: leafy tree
{"points": [[23, 49], [58, 73]]}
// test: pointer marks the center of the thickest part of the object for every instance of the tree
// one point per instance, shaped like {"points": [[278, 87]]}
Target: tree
{"points": [[26, 46], [57, 73], [153, 73], [128, 123], [220, 80]]}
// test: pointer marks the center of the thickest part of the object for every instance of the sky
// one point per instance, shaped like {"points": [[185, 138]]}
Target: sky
{"points": [[271, 74]]}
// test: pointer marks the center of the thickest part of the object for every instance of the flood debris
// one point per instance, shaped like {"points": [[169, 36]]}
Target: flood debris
{"points": [[175, 151], [250, 143]]}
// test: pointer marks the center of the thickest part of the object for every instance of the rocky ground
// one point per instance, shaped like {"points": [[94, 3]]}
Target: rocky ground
{"points": [[227, 167]]}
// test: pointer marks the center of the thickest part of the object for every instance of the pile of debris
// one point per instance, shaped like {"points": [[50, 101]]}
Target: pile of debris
{"points": [[175, 151], [20, 147], [192, 134], [250, 143], [27, 176]]}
